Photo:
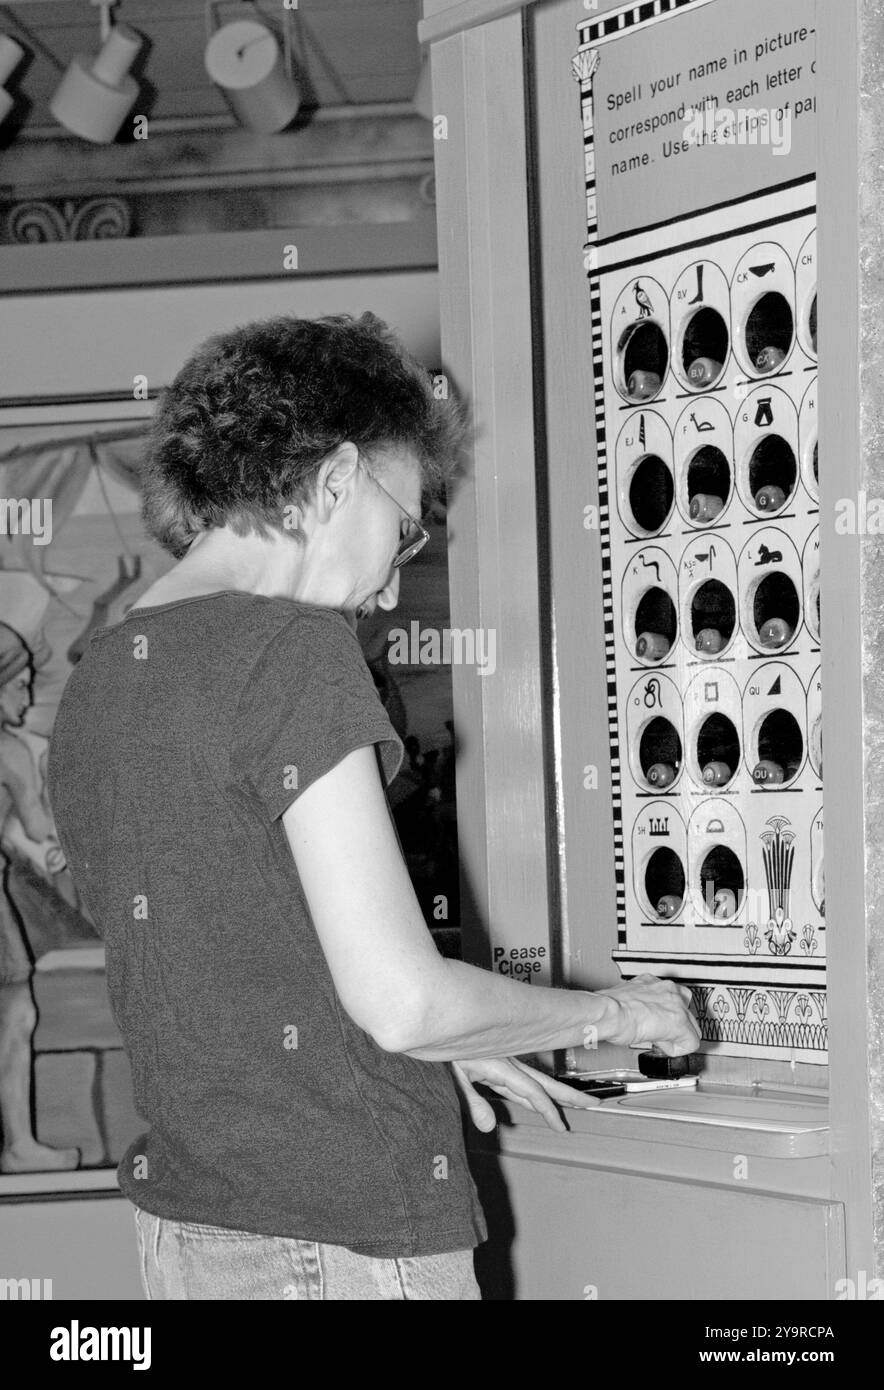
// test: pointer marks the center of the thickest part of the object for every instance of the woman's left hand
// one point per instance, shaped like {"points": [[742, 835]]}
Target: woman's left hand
{"points": [[520, 1084]]}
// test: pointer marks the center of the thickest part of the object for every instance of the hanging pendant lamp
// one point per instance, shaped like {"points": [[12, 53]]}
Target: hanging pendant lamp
{"points": [[96, 93], [244, 59]]}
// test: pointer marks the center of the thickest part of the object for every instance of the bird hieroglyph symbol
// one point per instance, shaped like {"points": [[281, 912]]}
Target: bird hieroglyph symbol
{"points": [[645, 307]]}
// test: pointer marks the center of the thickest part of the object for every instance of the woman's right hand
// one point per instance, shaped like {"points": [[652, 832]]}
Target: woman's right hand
{"points": [[654, 1012]]}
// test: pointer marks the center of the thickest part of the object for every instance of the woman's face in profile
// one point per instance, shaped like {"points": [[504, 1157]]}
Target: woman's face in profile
{"points": [[369, 530]]}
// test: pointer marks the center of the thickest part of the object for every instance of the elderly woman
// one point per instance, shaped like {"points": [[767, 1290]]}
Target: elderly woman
{"points": [[217, 775]]}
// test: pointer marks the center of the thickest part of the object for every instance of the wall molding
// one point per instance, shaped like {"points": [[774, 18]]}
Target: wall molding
{"points": [[136, 262], [350, 165]]}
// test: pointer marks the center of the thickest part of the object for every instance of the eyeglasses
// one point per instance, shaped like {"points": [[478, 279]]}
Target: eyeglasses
{"points": [[410, 544]]}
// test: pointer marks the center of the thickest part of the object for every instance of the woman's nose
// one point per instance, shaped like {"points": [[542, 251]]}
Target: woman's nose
{"points": [[388, 597]]}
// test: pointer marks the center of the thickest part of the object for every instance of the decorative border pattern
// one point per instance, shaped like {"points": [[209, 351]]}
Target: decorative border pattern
{"points": [[584, 67], [85, 219], [651, 11]]}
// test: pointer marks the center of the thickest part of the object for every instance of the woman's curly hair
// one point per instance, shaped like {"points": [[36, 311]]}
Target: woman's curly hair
{"points": [[241, 432]]}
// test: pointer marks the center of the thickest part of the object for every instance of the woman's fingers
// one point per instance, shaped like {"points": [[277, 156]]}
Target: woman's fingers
{"points": [[534, 1099], [560, 1091], [509, 1080], [481, 1112], [528, 1087], [522, 1085]]}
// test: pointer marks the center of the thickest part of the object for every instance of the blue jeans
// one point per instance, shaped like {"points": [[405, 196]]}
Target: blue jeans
{"points": [[183, 1260]]}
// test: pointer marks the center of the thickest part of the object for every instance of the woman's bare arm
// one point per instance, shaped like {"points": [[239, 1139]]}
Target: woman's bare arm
{"points": [[388, 973]]}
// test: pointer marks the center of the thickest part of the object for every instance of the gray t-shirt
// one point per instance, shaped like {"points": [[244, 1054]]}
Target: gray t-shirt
{"points": [[172, 759]]}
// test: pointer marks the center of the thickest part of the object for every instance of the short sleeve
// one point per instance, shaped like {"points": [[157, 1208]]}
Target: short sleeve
{"points": [[308, 701]]}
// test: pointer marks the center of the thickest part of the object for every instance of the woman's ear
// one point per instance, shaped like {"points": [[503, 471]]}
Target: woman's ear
{"points": [[337, 474]]}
